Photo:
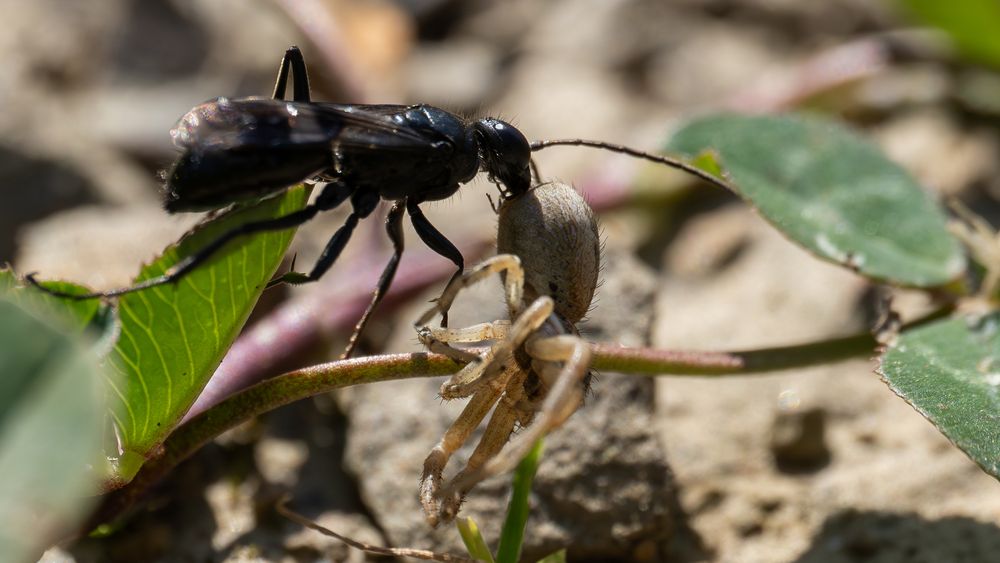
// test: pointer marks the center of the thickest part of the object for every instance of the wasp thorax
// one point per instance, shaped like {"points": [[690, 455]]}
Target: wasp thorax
{"points": [[554, 233]]}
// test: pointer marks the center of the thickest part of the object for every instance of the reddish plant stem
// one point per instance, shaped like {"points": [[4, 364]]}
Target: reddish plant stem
{"points": [[278, 391], [260, 398]]}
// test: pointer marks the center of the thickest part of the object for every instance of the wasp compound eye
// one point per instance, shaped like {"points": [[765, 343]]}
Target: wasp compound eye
{"points": [[506, 154]]}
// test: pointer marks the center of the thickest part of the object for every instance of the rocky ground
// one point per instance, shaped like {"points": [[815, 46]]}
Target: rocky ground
{"points": [[818, 465]]}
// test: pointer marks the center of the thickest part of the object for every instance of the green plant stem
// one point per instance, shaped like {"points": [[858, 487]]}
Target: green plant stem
{"points": [[648, 361], [283, 389], [263, 397], [512, 533], [300, 384]]}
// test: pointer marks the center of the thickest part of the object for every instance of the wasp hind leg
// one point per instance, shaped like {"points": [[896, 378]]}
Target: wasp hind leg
{"points": [[292, 62]]}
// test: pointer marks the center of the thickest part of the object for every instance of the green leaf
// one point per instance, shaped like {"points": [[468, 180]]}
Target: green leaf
{"points": [[950, 372], [174, 336], [473, 540], [76, 314], [51, 420], [832, 192], [708, 161], [557, 557], [512, 533], [972, 24]]}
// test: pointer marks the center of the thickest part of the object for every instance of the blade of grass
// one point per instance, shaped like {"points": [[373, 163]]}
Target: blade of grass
{"points": [[557, 557], [512, 533], [473, 539]]}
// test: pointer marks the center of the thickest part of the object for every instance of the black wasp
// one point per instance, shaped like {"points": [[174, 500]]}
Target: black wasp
{"points": [[242, 149], [246, 148]]}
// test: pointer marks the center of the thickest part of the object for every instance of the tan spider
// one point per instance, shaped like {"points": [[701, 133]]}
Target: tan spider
{"points": [[537, 369]]}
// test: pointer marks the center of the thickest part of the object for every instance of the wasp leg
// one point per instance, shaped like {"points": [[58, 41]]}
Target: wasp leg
{"points": [[363, 203], [436, 339], [394, 228], [437, 242], [292, 62], [332, 196]]}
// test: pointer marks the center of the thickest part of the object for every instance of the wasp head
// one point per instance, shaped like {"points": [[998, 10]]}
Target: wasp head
{"points": [[505, 155]]}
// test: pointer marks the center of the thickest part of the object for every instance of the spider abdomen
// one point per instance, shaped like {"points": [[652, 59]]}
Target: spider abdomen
{"points": [[554, 233]]}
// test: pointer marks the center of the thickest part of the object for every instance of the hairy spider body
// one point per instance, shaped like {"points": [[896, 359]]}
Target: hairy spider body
{"points": [[554, 233], [535, 373]]}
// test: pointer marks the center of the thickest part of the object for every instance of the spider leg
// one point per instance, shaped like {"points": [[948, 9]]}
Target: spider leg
{"points": [[475, 374], [493, 375], [562, 400], [436, 339], [514, 286], [982, 241], [493, 330], [501, 425], [456, 435]]}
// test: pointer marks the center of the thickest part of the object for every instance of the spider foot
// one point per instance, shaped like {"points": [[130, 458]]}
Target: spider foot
{"points": [[430, 485]]}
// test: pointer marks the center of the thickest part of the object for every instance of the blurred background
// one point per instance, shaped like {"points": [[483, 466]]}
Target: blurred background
{"points": [[815, 465]]}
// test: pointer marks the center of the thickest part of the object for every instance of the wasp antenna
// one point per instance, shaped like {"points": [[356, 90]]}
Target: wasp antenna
{"points": [[636, 153]]}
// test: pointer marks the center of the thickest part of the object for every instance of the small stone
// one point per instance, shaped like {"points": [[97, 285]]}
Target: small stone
{"points": [[798, 440], [279, 460]]}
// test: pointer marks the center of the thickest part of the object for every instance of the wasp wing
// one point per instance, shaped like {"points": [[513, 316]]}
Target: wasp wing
{"points": [[236, 149], [261, 123]]}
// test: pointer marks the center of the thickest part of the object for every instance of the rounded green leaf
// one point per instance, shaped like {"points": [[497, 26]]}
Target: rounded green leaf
{"points": [[174, 336], [972, 24], [832, 192], [51, 425], [950, 372]]}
